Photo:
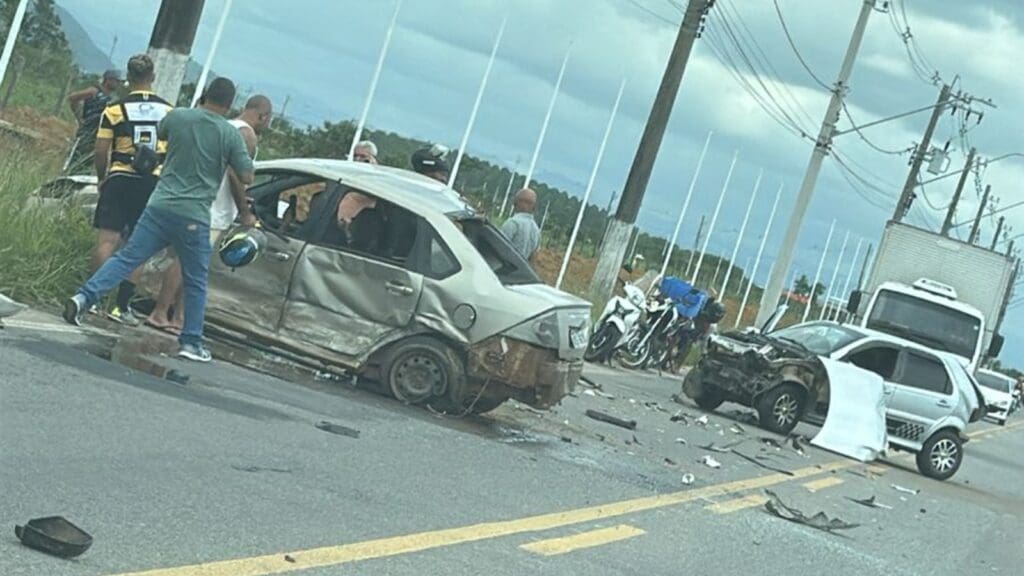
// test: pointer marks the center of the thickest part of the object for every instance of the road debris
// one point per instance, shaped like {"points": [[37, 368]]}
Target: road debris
{"points": [[737, 429], [260, 469], [588, 382], [652, 405], [670, 462], [636, 440], [761, 464], [863, 473], [798, 443], [589, 392], [772, 442], [289, 558], [688, 479], [819, 521], [567, 439], [177, 377], [905, 490], [54, 535], [710, 462], [681, 416], [609, 419], [337, 429], [744, 416], [703, 420], [870, 503], [680, 440]]}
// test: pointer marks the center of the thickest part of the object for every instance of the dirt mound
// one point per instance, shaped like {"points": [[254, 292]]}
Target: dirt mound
{"points": [[51, 132]]}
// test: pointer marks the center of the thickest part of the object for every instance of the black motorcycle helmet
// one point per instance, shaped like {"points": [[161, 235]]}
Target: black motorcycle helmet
{"points": [[713, 312]]}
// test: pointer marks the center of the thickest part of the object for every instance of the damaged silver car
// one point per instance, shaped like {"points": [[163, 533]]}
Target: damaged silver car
{"points": [[786, 377], [389, 274]]}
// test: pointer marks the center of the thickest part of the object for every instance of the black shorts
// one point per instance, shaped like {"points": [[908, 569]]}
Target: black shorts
{"points": [[123, 197]]}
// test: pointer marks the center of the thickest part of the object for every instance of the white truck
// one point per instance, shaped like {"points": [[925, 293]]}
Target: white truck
{"points": [[937, 291]]}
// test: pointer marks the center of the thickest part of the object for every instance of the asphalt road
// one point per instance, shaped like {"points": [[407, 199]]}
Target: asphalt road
{"points": [[227, 474]]}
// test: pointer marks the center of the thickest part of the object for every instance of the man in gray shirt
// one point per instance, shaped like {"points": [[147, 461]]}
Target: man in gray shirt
{"points": [[521, 229], [201, 146]]}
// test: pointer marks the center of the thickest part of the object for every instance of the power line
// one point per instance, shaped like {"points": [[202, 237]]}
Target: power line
{"points": [[867, 141], [796, 52], [653, 13], [918, 62]]}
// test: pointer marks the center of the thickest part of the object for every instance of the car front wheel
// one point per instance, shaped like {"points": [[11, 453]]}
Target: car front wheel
{"points": [[941, 455], [781, 408]]}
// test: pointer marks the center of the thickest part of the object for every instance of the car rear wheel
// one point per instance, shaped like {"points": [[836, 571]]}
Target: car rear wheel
{"points": [[421, 368], [941, 455], [602, 343], [781, 408]]}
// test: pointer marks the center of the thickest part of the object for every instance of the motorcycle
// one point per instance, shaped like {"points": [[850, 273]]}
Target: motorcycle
{"points": [[698, 329], [650, 342], [617, 324], [670, 323]]}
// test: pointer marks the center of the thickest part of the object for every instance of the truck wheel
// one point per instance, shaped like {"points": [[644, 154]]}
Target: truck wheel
{"points": [[781, 408], [941, 455], [602, 343], [421, 368]]}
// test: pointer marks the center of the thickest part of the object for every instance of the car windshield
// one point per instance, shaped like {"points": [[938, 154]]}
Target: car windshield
{"points": [[819, 337], [510, 268], [995, 382], [926, 323]]}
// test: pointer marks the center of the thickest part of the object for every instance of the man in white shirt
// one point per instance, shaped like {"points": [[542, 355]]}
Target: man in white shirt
{"points": [[254, 119], [521, 229]]}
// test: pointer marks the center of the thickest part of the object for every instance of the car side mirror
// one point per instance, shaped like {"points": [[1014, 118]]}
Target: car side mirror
{"points": [[854, 302], [996, 346]]}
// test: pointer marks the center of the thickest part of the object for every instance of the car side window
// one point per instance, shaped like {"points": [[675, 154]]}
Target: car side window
{"points": [[881, 360], [925, 373], [282, 200]]}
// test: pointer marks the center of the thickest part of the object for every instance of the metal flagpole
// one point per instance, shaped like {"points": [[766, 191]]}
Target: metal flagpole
{"points": [[547, 119], [373, 83], [849, 277], [544, 218], [835, 274], [508, 190], [743, 230], [476, 106], [590, 186], [714, 218], [686, 205], [760, 252], [817, 274], [12, 36], [201, 83]]}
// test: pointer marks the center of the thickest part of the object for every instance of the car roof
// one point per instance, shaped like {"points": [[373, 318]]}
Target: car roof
{"points": [[888, 338], [402, 187]]}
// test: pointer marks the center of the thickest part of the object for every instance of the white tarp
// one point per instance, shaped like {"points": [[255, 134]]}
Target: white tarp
{"points": [[855, 424]]}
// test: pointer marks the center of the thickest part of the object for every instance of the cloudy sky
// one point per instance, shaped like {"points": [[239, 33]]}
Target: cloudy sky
{"points": [[322, 53]]}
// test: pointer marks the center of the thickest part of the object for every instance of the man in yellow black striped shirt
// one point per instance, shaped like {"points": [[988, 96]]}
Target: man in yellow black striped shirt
{"points": [[128, 159]]}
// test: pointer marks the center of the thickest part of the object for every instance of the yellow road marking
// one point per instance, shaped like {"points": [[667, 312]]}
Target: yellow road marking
{"points": [[876, 469], [556, 546], [385, 547], [737, 504], [823, 483]]}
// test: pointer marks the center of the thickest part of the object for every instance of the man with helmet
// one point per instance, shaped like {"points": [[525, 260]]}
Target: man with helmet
{"points": [[431, 163]]}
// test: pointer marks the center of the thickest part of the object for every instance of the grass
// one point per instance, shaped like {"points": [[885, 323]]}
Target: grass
{"points": [[44, 251]]}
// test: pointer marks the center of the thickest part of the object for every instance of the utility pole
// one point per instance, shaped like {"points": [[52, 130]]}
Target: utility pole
{"points": [[12, 37], [643, 162], [947, 224], [999, 230], [773, 290], [696, 243], [907, 196], [973, 238], [171, 43]]}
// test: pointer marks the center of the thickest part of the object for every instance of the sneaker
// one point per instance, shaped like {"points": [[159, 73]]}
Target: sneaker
{"points": [[94, 310], [73, 309], [126, 316], [194, 352]]}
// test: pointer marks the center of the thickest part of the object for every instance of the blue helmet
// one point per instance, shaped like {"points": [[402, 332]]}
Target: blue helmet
{"points": [[241, 249]]}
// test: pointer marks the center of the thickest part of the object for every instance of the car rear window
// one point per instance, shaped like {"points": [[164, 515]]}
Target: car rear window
{"points": [[922, 372], [510, 268]]}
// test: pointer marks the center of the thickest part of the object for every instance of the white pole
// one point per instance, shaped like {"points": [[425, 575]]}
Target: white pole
{"points": [[817, 274], [12, 36], [508, 189], [590, 186], [760, 251], [547, 119], [714, 218], [835, 275], [743, 230], [476, 106], [686, 205], [201, 83], [853, 271], [373, 82]]}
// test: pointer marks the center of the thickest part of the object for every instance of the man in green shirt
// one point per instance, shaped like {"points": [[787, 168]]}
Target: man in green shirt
{"points": [[201, 147]]}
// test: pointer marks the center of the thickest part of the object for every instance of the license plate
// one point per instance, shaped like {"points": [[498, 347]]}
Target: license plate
{"points": [[578, 337]]}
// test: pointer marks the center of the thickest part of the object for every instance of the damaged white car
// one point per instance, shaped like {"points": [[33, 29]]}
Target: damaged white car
{"points": [[819, 369]]}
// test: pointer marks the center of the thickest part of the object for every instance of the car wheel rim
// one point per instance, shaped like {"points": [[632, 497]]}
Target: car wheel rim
{"points": [[417, 377], [944, 455], [785, 410]]}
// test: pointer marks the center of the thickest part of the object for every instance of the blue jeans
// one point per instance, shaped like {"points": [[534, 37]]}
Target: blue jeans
{"points": [[156, 230]]}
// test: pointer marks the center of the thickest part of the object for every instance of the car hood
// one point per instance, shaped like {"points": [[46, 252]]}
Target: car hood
{"points": [[994, 396]]}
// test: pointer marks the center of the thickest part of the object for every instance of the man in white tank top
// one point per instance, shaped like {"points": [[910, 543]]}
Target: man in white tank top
{"points": [[254, 119]]}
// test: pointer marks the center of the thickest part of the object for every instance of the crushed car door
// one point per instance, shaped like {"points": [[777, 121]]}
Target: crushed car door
{"points": [[252, 297], [924, 395], [347, 297]]}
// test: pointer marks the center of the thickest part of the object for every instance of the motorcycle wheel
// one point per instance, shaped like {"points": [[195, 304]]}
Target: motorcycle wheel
{"points": [[635, 355], [602, 343]]}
